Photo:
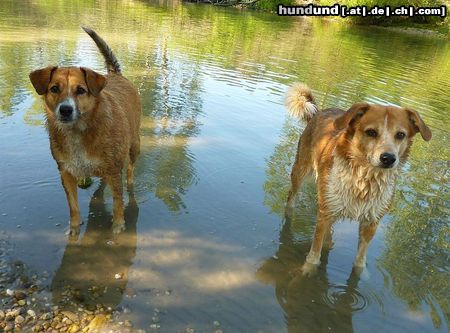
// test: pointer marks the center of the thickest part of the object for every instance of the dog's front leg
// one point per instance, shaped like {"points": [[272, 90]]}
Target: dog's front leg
{"points": [[366, 232], [321, 232], [115, 183], [70, 187], [322, 228]]}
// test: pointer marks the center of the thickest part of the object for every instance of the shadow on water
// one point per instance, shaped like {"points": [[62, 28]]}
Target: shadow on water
{"points": [[87, 273], [310, 303]]}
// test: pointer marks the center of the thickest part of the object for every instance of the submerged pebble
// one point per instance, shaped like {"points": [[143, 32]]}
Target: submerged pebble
{"points": [[31, 313], [20, 295]]}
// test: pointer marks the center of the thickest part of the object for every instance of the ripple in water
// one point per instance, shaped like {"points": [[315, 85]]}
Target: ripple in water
{"points": [[342, 295]]}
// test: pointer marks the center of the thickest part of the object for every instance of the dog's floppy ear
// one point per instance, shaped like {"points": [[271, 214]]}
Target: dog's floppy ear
{"points": [[95, 81], [355, 112], [40, 79], [419, 125]]}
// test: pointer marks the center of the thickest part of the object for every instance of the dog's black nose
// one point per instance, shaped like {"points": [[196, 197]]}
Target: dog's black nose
{"points": [[387, 160], [65, 111]]}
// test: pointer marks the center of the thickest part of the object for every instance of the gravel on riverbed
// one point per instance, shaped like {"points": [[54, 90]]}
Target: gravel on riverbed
{"points": [[25, 305]]}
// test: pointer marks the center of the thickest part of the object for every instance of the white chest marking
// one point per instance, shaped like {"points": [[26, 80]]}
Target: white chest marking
{"points": [[360, 193], [78, 163]]}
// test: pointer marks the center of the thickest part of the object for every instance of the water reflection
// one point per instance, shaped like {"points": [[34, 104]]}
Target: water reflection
{"points": [[417, 240], [94, 270], [310, 304], [172, 106], [278, 169]]}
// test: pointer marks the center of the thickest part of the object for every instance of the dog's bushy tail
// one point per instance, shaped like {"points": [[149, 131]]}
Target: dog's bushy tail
{"points": [[299, 102], [112, 64]]}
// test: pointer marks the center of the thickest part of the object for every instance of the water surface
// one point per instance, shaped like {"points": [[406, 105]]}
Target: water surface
{"points": [[206, 239]]}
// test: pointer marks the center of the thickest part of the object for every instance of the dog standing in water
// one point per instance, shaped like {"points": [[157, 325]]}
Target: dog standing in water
{"points": [[356, 156], [93, 123]]}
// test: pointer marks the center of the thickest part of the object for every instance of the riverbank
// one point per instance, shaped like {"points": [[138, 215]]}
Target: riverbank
{"points": [[418, 25]]}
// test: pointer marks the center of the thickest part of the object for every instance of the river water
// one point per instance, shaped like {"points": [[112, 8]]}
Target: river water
{"points": [[206, 244]]}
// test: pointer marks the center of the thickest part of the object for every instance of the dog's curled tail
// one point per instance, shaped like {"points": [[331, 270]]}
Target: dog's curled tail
{"points": [[299, 102], [112, 64]]}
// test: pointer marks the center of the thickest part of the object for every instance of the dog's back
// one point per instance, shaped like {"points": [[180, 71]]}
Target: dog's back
{"points": [[118, 89], [123, 98]]}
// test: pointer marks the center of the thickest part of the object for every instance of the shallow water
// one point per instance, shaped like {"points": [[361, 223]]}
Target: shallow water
{"points": [[206, 239]]}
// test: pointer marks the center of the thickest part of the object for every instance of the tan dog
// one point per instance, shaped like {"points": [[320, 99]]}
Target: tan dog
{"points": [[93, 123], [356, 156]]}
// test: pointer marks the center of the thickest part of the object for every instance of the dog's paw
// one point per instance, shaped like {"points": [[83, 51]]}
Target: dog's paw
{"points": [[360, 263], [118, 227], [73, 233], [361, 272], [357, 269], [309, 269]]}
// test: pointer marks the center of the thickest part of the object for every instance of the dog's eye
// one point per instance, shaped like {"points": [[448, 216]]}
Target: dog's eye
{"points": [[80, 91], [372, 133], [54, 89], [400, 135]]}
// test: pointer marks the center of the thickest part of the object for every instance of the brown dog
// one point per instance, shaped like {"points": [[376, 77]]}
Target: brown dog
{"points": [[93, 123], [356, 156]]}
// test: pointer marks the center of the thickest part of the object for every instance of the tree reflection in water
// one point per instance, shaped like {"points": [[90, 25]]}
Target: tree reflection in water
{"points": [[172, 105]]}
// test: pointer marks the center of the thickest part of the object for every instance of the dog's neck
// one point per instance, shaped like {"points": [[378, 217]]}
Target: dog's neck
{"points": [[360, 192], [366, 180], [78, 127]]}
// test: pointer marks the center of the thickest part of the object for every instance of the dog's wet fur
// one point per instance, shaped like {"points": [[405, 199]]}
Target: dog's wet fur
{"points": [[93, 123], [356, 156]]}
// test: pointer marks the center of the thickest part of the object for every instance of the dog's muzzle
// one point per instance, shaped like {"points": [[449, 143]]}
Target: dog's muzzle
{"points": [[66, 111], [387, 160]]}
